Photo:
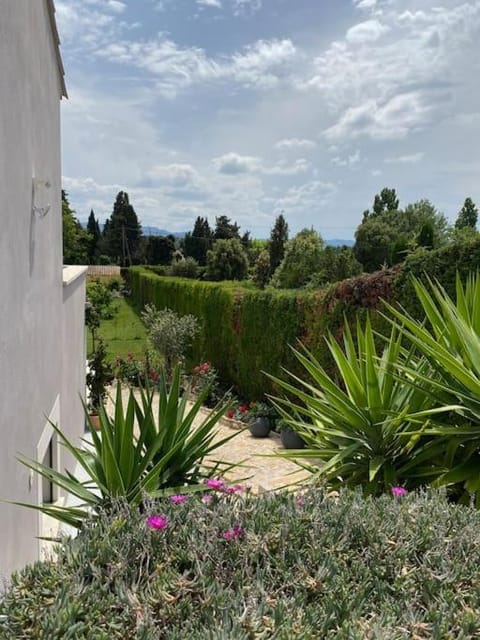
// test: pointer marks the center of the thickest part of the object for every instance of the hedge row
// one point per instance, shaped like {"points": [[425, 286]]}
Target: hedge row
{"points": [[247, 332]]}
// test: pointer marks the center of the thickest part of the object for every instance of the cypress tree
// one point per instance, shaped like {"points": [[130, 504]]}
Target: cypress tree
{"points": [[278, 240], [467, 216]]}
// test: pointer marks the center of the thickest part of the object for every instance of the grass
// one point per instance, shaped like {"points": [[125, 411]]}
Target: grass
{"points": [[125, 333]]}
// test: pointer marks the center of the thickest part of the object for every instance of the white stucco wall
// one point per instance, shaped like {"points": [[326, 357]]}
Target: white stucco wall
{"points": [[32, 320]]}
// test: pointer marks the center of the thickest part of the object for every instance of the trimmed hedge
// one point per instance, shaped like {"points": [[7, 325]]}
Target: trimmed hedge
{"points": [[311, 566], [247, 331]]}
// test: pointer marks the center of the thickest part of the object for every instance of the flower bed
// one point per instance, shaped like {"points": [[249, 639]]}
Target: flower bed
{"points": [[282, 566]]}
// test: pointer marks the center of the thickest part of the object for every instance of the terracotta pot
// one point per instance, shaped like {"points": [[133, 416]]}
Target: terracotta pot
{"points": [[95, 421]]}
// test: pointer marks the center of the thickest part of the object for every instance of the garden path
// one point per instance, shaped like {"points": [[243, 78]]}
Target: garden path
{"points": [[263, 473]]}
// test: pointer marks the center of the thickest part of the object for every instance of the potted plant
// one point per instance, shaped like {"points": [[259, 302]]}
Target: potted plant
{"points": [[99, 376], [289, 437], [259, 418]]}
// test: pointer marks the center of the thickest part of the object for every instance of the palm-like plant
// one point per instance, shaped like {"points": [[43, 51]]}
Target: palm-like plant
{"points": [[450, 341], [137, 454], [365, 430]]}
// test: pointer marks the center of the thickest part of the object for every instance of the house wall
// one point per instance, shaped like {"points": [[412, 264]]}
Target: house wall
{"points": [[32, 322]]}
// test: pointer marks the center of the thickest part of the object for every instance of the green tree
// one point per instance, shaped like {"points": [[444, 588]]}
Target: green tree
{"points": [[467, 216], [122, 234], [199, 241], [302, 259], [374, 241], [262, 270], [76, 240], [159, 249], [337, 263], [93, 229], [386, 200], [278, 240], [227, 260], [225, 229]]}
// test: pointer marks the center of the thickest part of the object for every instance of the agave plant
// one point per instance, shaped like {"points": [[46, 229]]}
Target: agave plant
{"points": [[137, 453], [367, 430], [450, 341]]}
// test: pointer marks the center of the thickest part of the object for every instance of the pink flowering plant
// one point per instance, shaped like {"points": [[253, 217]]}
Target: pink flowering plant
{"points": [[205, 377]]}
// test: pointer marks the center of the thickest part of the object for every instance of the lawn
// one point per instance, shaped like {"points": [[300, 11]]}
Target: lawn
{"points": [[125, 333]]}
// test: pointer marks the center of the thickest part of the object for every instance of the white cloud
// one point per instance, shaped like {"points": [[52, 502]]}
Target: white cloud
{"points": [[295, 143], [350, 160], [261, 64], [233, 164], [242, 7], [210, 3], [393, 119], [365, 4], [373, 82], [368, 31], [311, 196], [176, 175], [413, 158]]}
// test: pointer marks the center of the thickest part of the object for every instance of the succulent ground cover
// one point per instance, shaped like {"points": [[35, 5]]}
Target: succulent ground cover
{"points": [[311, 565]]}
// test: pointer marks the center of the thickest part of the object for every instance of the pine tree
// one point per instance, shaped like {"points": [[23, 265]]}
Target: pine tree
{"points": [[278, 239], [93, 229], [467, 216], [225, 229], [123, 232], [385, 201], [197, 243]]}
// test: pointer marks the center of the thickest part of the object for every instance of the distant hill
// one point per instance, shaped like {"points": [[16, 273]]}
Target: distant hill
{"points": [[336, 242], [149, 231], [155, 231]]}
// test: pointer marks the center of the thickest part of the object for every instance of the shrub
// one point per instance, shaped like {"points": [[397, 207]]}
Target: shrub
{"points": [[296, 566], [227, 260], [187, 268], [261, 273], [301, 260], [137, 453], [169, 333], [365, 430]]}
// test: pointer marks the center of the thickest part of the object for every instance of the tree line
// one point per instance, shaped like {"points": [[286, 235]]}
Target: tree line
{"points": [[386, 234]]}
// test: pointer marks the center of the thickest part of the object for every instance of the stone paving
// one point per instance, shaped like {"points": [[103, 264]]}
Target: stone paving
{"points": [[264, 473]]}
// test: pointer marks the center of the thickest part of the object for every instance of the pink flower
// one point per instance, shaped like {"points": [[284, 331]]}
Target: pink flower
{"points": [[205, 366], [157, 522], [178, 499], [196, 369], [243, 408], [238, 488], [232, 534], [215, 483], [398, 492], [299, 501], [207, 498]]}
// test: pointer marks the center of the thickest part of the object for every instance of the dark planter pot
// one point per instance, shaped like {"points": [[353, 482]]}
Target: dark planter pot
{"points": [[260, 427], [291, 440]]}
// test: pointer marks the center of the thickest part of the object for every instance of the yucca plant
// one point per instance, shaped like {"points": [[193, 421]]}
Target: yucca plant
{"points": [[449, 340], [366, 430], [137, 453]]}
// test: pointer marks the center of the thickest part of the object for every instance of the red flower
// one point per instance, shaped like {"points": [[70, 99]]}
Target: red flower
{"points": [[243, 408], [196, 369], [230, 414], [205, 366]]}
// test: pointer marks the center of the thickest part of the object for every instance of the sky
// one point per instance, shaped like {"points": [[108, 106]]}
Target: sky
{"points": [[252, 108]]}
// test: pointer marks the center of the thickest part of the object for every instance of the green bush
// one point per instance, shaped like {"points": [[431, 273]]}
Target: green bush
{"points": [[227, 260], [310, 566], [187, 268]]}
